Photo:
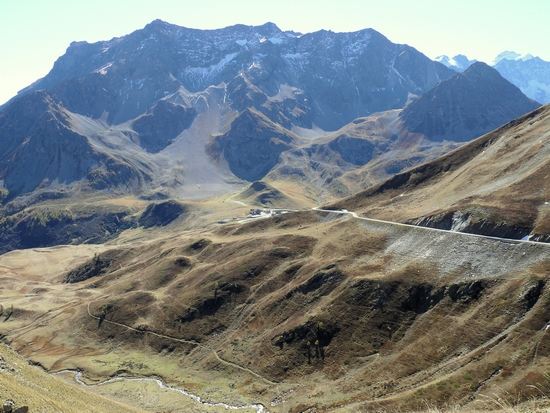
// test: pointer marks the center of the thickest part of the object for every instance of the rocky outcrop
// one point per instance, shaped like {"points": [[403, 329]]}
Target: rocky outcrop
{"points": [[161, 214], [467, 222], [356, 151], [9, 406], [252, 146], [97, 266]]}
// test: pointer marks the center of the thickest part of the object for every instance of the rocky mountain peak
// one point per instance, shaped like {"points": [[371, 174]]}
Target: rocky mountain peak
{"points": [[467, 105], [250, 95]]}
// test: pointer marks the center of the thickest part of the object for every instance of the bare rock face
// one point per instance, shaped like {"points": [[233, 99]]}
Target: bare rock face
{"points": [[354, 150], [466, 106], [38, 146], [161, 214], [9, 406]]}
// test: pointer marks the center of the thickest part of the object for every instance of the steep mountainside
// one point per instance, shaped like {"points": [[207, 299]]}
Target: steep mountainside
{"points": [[39, 147], [466, 106], [143, 107], [495, 185], [168, 111], [370, 149]]}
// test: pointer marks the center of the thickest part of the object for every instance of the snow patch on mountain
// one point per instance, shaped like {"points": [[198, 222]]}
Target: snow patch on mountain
{"points": [[104, 69], [530, 74], [538, 90], [296, 62], [202, 74], [355, 47]]}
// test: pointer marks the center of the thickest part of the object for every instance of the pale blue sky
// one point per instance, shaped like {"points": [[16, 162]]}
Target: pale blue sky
{"points": [[34, 33]]}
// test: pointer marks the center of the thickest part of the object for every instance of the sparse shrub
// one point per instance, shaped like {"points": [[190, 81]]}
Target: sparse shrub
{"points": [[9, 313], [105, 309]]}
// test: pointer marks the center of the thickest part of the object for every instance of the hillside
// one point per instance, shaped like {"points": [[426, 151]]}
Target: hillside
{"points": [[135, 277], [494, 185], [466, 106], [394, 316]]}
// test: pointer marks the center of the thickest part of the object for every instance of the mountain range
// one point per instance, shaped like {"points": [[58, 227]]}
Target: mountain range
{"points": [[171, 111]]}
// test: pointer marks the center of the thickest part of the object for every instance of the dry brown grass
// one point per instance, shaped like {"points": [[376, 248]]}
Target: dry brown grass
{"points": [[30, 386], [402, 323]]}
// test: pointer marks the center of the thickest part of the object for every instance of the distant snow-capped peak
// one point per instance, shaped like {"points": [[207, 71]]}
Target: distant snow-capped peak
{"points": [[509, 55], [458, 63]]}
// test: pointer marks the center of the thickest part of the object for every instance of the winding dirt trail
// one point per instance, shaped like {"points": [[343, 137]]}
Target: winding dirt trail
{"points": [[180, 340]]}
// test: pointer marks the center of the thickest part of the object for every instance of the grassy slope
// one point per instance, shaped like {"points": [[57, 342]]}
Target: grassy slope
{"points": [[408, 315]]}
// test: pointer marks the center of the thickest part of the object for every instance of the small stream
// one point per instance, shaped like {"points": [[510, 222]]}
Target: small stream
{"points": [[260, 408]]}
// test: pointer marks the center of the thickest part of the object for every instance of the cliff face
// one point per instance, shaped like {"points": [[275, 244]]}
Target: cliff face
{"points": [[252, 146]]}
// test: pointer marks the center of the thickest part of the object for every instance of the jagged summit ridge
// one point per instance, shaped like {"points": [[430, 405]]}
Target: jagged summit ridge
{"points": [[458, 63], [346, 74]]}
